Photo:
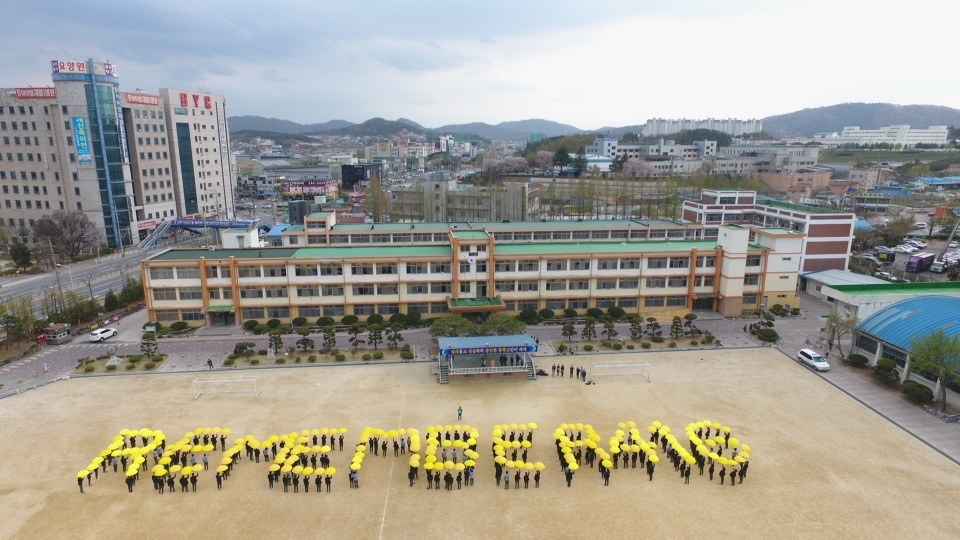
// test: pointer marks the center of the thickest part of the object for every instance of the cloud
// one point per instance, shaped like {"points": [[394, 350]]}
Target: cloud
{"points": [[487, 40]]}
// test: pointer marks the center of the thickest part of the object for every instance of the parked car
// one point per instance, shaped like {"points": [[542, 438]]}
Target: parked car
{"points": [[870, 258], [915, 242], [101, 334], [813, 359], [920, 225], [953, 244], [884, 275]]}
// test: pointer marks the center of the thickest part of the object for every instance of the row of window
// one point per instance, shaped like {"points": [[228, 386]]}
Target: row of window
{"points": [[146, 127], [369, 269], [153, 114], [29, 205], [26, 190], [406, 238], [157, 141], [149, 155], [30, 158]]}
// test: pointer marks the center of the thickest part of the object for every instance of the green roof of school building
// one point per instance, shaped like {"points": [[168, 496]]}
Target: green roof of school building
{"points": [[391, 251], [470, 234], [558, 248], [901, 289]]}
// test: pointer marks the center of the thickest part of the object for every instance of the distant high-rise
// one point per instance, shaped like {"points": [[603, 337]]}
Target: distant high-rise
{"points": [[127, 160], [730, 126]]}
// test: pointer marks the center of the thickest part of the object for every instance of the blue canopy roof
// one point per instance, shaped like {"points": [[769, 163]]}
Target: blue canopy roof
{"points": [[487, 344], [916, 317]]}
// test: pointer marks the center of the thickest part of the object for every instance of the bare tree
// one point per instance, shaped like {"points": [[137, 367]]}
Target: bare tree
{"points": [[70, 232]]}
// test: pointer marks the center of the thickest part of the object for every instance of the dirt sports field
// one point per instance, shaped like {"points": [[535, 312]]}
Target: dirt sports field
{"points": [[822, 466]]}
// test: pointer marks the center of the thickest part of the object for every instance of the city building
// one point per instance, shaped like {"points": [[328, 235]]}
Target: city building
{"points": [[730, 126], [127, 160], [828, 234], [476, 268], [888, 333], [449, 201], [611, 148], [902, 136]]}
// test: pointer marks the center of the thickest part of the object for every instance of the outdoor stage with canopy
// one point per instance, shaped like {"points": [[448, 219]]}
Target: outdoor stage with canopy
{"points": [[486, 356]]}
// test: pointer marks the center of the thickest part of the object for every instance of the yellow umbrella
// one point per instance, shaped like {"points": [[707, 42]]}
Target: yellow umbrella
{"points": [[159, 472], [500, 459], [355, 466], [307, 470], [448, 464], [540, 466], [460, 466], [607, 463], [83, 474], [175, 469], [325, 448], [132, 473], [429, 467], [226, 461], [654, 459], [469, 463], [573, 466], [286, 468], [222, 468]]}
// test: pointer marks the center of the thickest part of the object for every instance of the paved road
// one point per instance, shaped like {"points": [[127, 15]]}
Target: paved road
{"points": [[191, 354]]}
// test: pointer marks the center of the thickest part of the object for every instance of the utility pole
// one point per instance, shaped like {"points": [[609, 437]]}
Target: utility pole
{"points": [[56, 270]]}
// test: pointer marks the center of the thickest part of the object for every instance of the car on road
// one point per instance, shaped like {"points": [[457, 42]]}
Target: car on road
{"points": [[101, 334], [884, 275], [813, 359], [870, 258], [920, 225], [953, 244]]}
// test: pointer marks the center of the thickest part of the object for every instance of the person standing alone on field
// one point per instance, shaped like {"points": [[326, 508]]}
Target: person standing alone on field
{"points": [[459, 413]]}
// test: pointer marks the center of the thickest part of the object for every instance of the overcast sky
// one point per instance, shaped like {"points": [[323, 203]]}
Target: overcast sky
{"points": [[586, 63]]}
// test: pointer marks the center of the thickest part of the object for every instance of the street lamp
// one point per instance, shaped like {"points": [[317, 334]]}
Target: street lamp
{"points": [[69, 270]]}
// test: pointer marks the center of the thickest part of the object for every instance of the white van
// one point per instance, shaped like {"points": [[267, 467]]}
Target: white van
{"points": [[813, 359], [920, 225]]}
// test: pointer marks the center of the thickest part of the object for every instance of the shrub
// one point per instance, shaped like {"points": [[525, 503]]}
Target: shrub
{"points": [[232, 356], [296, 360], [570, 313], [290, 349], [708, 338], [340, 357], [672, 345], [250, 325], [280, 360], [917, 393], [129, 366], [690, 316], [103, 357], [630, 346], [229, 361], [249, 353], [588, 347], [694, 343], [547, 313], [645, 344], [325, 321], [596, 313], [529, 316], [259, 329], [376, 318], [312, 358], [132, 360], [406, 348], [179, 325], [299, 321], [606, 343], [88, 369], [857, 360], [795, 311], [616, 312], [273, 324], [406, 355], [149, 365], [254, 361], [617, 346], [886, 370], [349, 320], [135, 357], [366, 356], [262, 352], [378, 355], [768, 335], [413, 318], [657, 339]]}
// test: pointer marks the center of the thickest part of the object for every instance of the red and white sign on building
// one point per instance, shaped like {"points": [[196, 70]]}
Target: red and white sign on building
{"points": [[309, 187], [143, 99], [68, 66], [37, 93], [146, 224]]}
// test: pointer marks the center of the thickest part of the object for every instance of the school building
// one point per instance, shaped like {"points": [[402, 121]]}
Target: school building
{"points": [[652, 267]]}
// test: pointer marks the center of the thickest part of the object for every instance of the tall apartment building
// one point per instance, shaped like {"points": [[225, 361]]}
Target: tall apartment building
{"points": [[84, 145], [663, 126]]}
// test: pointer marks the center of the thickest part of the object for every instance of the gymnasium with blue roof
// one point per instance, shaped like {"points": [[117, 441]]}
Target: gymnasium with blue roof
{"points": [[888, 333]]}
